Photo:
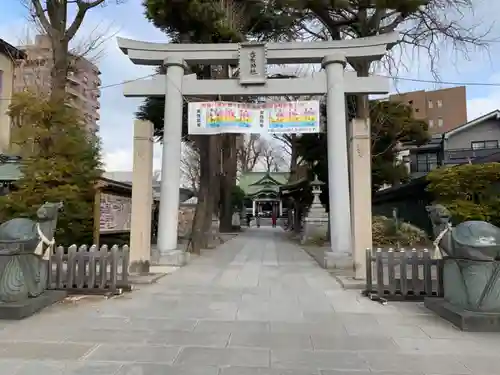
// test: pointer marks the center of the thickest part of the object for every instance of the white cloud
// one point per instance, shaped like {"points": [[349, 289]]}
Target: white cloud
{"points": [[122, 159]]}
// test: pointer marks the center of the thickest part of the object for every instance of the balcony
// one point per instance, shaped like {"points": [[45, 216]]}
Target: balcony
{"points": [[466, 155]]}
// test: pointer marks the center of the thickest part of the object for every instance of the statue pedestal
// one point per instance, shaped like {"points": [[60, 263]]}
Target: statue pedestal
{"points": [[472, 285], [316, 221], [23, 309], [465, 320], [471, 295], [315, 228]]}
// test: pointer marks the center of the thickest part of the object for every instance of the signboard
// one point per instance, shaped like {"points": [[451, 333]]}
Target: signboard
{"points": [[225, 117], [252, 63], [115, 213], [293, 117], [231, 117]]}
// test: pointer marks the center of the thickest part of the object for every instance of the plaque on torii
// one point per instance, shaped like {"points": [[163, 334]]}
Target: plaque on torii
{"points": [[252, 63]]}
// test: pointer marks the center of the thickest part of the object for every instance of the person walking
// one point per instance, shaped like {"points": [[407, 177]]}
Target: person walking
{"points": [[257, 219], [273, 219]]}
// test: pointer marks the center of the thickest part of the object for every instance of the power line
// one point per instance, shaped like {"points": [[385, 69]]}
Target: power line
{"points": [[110, 85], [494, 84]]}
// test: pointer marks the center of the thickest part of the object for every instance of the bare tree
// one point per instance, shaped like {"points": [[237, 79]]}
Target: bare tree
{"points": [[249, 152], [272, 156], [289, 145], [52, 16], [190, 167], [427, 26]]}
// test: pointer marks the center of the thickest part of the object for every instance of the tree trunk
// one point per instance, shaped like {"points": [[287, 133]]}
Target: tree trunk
{"points": [[214, 186], [228, 181], [198, 233], [293, 157], [59, 72], [297, 225]]}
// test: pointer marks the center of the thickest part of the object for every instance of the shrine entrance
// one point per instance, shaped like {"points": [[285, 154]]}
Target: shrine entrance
{"points": [[348, 236]]}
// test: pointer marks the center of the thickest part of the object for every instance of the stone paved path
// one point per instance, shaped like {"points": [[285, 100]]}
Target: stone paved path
{"points": [[258, 305]]}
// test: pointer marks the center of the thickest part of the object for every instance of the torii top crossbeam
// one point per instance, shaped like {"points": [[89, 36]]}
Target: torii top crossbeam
{"points": [[149, 53]]}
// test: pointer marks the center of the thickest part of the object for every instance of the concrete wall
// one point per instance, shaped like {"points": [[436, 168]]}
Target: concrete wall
{"points": [[6, 86]]}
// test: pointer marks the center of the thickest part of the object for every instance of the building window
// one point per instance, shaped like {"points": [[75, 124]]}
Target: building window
{"points": [[440, 122], [439, 103], [431, 123], [479, 145], [431, 105], [426, 162], [1, 81]]}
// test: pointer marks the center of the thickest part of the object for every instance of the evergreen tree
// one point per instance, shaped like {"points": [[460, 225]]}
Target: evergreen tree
{"points": [[60, 162], [391, 123]]}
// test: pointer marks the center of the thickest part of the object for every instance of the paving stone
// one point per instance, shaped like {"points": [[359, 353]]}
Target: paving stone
{"points": [[308, 328], [354, 343], [9, 366], [43, 368], [162, 369], [108, 336], [343, 372], [428, 364], [163, 324], [264, 371], [478, 364], [183, 338], [135, 353], [246, 357], [316, 360], [271, 340], [44, 350], [231, 326]]}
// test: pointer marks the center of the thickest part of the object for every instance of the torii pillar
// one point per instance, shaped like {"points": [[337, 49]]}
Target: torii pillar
{"points": [[253, 81]]}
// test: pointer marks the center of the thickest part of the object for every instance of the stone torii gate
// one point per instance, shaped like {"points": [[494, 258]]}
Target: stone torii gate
{"points": [[252, 59]]}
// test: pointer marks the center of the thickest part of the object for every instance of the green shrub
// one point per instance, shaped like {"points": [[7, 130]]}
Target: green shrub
{"points": [[469, 191]]}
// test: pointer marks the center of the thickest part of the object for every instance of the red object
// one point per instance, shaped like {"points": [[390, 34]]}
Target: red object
{"points": [[274, 220]]}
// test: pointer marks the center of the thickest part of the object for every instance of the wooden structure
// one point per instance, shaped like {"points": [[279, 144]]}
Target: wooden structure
{"points": [[403, 275], [84, 270], [112, 202]]}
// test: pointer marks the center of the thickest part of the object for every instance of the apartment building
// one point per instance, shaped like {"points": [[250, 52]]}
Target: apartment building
{"points": [[83, 81], [8, 57], [443, 110]]}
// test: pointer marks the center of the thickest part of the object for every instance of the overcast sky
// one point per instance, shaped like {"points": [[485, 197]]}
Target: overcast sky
{"points": [[127, 20]]}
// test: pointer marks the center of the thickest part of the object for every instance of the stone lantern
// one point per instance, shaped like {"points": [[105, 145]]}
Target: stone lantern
{"points": [[316, 221]]}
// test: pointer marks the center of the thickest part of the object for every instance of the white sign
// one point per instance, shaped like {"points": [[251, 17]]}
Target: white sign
{"points": [[225, 117], [115, 213], [230, 117], [293, 117]]}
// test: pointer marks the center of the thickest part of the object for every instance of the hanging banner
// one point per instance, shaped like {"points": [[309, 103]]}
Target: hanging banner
{"points": [[231, 117], [293, 117], [225, 117]]}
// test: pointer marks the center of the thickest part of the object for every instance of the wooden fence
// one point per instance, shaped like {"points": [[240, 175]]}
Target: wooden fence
{"points": [[84, 270], [403, 275]]}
